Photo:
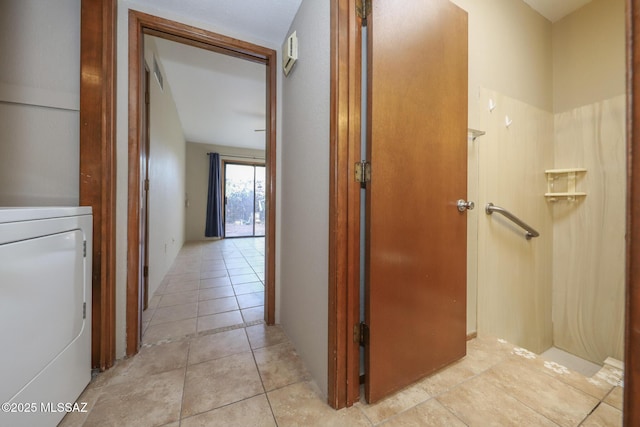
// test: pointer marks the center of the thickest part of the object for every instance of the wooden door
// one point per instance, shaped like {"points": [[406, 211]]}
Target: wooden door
{"points": [[416, 237]]}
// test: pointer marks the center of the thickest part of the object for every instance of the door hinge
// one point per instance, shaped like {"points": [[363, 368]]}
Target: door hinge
{"points": [[145, 271], [146, 185], [84, 248], [84, 310], [362, 172], [147, 98], [361, 334], [363, 9]]}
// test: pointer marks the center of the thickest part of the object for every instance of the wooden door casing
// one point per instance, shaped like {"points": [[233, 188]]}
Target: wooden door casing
{"points": [[140, 24]]}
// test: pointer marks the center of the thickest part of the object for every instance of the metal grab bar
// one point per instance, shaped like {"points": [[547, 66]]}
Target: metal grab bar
{"points": [[531, 232]]}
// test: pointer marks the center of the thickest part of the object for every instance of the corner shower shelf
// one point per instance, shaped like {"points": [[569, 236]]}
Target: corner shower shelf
{"points": [[567, 175]]}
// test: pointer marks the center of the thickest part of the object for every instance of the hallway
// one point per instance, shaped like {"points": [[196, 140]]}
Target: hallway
{"points": [[211, 285], [209, 360]]}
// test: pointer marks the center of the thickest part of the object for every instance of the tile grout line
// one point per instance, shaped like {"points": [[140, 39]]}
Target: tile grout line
{"points": [[189, 340], [184, 382], [266, 395], [457, 385], [451, 412], [544, 371], [561, 378], [189, 337], [551, 376], [589, 414]]}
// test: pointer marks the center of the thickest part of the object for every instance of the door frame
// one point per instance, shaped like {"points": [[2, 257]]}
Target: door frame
{"points": [[631, 413], [139, 25], [344, 202], [343, 384], [97, 187]]}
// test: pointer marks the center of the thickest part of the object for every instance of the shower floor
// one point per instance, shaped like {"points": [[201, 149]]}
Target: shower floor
{"points": [[575, 363]]}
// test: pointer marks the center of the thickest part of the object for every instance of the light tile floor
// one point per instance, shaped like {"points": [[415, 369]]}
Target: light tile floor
{"points": [[196, 369]]}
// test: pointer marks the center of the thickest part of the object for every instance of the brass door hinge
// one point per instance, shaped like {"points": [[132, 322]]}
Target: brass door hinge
{"points": [[362, 172], [361, 334], [363, 9]]}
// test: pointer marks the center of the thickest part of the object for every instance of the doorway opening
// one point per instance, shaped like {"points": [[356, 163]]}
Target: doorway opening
{"points": [[244, 199], [143, 24]]}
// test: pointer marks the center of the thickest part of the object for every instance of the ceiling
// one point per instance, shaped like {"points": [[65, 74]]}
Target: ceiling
{"points": [[220, 99], [266, 20], [554, 10]]}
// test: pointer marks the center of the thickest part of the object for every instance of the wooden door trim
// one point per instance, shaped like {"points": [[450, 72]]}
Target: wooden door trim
{"points": [[344, 206], [140, 24], [631, 413], [98, 165]]}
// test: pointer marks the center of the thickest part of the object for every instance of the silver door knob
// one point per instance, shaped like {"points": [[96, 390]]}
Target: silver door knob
{"points": [[463, 206]]}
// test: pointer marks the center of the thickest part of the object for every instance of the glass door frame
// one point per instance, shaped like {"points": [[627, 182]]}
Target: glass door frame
{"points": [[254, 163]]}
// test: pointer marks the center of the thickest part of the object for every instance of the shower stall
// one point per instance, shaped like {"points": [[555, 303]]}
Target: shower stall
{"points": [[550, 101]]}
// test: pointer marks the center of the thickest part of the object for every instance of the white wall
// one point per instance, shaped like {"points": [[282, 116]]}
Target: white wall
{"points": [[122, 145], [197, 184], [39, 102], [305, 191], [167, 155]]}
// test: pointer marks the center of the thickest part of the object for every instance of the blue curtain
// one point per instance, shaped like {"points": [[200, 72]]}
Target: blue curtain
{"points": [[214, 226]]}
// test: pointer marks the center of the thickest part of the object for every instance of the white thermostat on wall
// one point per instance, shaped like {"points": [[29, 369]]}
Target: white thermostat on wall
{"points": [[289, 53]]}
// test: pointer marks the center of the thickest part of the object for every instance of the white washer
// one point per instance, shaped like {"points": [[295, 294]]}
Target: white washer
{"points": [[45, 312]]}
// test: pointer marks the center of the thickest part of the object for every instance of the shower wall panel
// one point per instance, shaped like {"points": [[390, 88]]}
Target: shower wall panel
{"points": [[514, 274], [588, 244]]}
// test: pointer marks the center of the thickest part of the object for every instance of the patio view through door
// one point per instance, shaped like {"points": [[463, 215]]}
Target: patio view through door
{"points": [[244, 199]]}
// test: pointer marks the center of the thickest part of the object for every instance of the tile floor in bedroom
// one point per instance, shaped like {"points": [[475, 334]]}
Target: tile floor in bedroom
{"points": [[209, 360]]}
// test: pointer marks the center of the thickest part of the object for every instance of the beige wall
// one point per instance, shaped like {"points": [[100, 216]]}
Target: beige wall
{"points": [[166, 176], [197, 182], [509, 52], [589, 101], [589, 55], [39, 102], [514, 274], [305, 191], [589, 234], [573, 274], [510, 62]]}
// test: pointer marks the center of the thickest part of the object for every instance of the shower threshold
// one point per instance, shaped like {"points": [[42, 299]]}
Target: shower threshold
{"points": [[571, 361]]}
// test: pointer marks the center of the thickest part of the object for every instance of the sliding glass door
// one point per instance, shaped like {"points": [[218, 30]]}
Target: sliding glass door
{"points": [[244, 200]]}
